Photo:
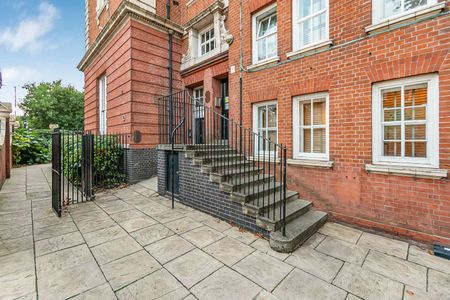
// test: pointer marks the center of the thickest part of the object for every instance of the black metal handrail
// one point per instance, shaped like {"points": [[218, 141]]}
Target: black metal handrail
{"points": [[253, 163]]}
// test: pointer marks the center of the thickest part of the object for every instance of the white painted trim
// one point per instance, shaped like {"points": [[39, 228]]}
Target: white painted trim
{"points": [[312, 163], [295, 128], [264, 62], [103, 101], [269, 10], [296, 31], [407, 171], [199, 40], [310, 48], [377, 8], [432, 123], [255, 118]]}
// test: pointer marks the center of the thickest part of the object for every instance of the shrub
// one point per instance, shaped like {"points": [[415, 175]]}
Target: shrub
{"points": [[31, 146]]}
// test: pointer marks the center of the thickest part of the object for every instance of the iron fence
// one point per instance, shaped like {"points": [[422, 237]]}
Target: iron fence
{"points": [[85, 162], [253, 163]]}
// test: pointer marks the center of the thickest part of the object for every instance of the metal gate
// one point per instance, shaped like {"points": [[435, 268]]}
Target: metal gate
{"points": [[83, 162]]}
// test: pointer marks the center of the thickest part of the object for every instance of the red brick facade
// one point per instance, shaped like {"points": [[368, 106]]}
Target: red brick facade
{"points": [[135, 61]]}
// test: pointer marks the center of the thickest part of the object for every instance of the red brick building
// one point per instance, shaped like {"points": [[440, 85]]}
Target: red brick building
{"points": [[359, 91]]}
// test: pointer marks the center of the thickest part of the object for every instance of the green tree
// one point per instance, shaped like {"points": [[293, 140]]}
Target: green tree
{"points": [[52, 103]]}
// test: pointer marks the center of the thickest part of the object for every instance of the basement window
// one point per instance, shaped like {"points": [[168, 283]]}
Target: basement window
{"points": [[406, 122]]}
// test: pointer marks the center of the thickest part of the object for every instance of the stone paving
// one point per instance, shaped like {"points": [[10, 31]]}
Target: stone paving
{"points": [[129, 244]]}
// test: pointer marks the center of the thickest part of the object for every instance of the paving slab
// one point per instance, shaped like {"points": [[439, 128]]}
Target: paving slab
{"points": [[129, 268], [316, 263], [58, 243], [15, 232], [103, 292], [101, 236], [263, 269], [263, 246], [366, 284], [17, 245], [300, 285], [397, 269], [169, 248], [216, 224], [384, 244], [151, 234], [193, 267], [153, 286], [229, 251], [203, 236], [115, 206], [183, 225], [265, 295], [132, 220], [225, 284], [241, 235], [343, 250], [424, 258], [412, 293], [17, 275], [89, 225], [169, 215], [115, 249], [439, 283]]}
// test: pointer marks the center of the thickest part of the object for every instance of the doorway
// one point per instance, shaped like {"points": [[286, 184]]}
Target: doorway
{"points": [[225, 103]]}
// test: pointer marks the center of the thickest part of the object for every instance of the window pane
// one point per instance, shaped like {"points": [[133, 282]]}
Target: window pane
{"points": [[415, 149], [262, 49], [411, 4], [417, 113], [392, 115], [305, 8], [415, 132], [416, 95], [319, 113], [392, 132], [207, 48], [203, 49], [273, 137], [305, 32], [203, 38], [306, 140], [211, 33], [392, 149], [262, 145], [272, 46], [391, 7], [307, 114], [319, 140], [318, 27], [318, 5], [213, 45], [392, 98], [262, 117], [263, 27], [272, 116], [273, 23]]}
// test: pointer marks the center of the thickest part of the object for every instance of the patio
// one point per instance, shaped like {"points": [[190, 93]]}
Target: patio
{"points": [[129, 244]]}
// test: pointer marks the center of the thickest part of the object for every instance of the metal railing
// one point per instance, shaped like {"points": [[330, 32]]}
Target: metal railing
{"points": [[84, 162], [254, 165]]}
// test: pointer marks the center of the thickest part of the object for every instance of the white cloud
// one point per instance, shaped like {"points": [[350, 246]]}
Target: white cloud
{"points": [[29, 32], [18, 74]]}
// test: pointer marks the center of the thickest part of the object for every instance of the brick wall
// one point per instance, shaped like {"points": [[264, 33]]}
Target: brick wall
{"points": [[140, 164], [410, 207], [197, 191]]}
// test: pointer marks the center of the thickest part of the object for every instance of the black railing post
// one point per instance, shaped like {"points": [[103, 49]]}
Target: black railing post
{"points": [[56, 172], [284, 189]]}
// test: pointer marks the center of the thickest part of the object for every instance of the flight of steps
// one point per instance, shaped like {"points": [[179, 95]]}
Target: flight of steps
{"points": [[301, 220]]}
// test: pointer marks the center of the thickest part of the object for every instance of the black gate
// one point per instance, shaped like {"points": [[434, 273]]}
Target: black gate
{"points": [[83, 162]]}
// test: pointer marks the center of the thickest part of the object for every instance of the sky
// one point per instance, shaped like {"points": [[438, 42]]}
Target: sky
{"points": [[40, 40]]}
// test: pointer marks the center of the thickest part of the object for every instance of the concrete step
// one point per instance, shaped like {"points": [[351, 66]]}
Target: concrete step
{"points": [[238, 183], [206, 152], [297, 231], [271, 220], [261, 190], [223, 167], [204, 146], [233, 174], [255, 208], [217, 159]]}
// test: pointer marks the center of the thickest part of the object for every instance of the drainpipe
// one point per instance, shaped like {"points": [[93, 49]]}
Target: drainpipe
{"points": [[241, 67], [170, 33]]}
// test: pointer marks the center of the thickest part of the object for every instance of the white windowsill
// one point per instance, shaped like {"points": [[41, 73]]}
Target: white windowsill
{"points": [[264, 158], [101, 9], [264, 62], [406, 16], [309, 48], [407, 171], [312, 163]]}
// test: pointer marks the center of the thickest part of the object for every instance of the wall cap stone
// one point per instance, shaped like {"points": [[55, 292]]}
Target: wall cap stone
{"points": [[407, 171]]}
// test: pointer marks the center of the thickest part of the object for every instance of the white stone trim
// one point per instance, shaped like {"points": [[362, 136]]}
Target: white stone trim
{"points": [[312, 163], [407, 171], [264, 62], [310, 48]]}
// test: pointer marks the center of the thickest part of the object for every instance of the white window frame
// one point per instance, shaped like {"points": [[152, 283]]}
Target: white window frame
{"points": [[200, 44], [296, 26], [377, 10], [256, 106], [256, 20], [103, 100], [297, 127], [199, 111], [432, 122]]}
